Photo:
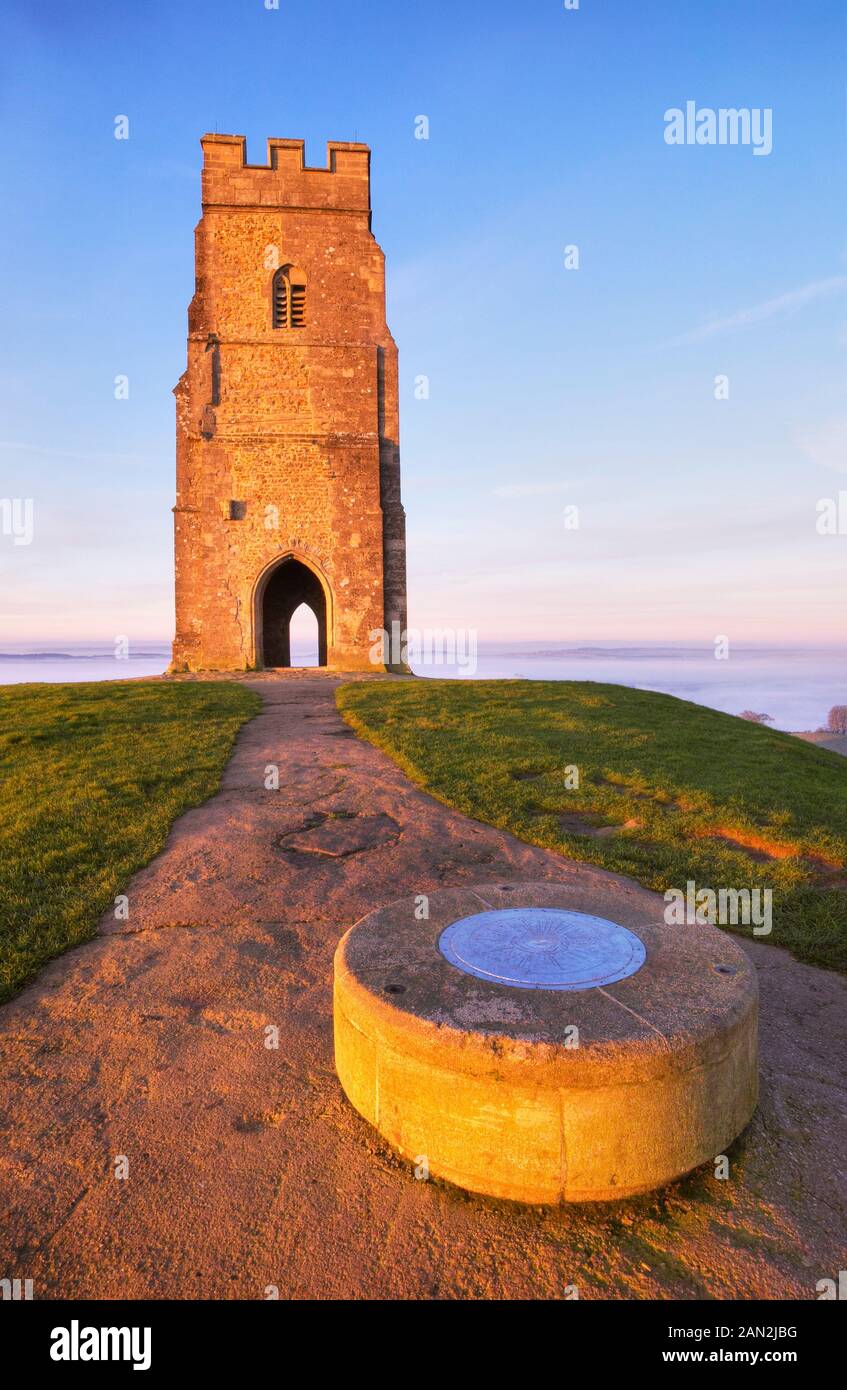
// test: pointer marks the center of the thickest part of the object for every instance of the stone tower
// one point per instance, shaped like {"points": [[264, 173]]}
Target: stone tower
{"points": [[288, 465]]}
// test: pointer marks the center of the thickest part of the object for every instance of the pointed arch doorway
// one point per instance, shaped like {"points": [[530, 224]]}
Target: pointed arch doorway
{"points": [[288, 586]]}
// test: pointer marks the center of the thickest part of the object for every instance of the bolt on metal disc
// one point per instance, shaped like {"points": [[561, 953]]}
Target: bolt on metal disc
{"points": [[542, 948]]}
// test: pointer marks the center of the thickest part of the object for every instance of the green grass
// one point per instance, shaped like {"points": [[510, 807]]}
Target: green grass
{"points": [[497, 751], [91, 779]]}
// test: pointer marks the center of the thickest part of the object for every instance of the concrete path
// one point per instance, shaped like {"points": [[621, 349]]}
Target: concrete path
{"points": [[248, 1169]]}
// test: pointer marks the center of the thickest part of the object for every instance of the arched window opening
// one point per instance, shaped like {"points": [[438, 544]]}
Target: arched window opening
{"points": [[280, 299], [298, 303], [288, 298]]}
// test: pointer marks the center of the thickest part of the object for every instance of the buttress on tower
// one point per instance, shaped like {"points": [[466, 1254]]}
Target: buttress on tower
{"points": [[288, 463]]}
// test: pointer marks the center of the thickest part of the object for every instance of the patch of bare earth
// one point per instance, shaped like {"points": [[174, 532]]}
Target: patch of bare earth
{"points": [[203, 1055]]}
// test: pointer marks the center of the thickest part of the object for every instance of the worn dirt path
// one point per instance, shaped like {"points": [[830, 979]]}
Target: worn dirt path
{"points": [[247, 1168]]}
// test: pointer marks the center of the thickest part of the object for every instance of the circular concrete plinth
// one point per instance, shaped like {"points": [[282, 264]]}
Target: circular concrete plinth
{"points": [[559, 1049]]}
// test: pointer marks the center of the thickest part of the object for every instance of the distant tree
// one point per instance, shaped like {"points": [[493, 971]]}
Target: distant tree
{"points": [[837, 719], [756, 718]]}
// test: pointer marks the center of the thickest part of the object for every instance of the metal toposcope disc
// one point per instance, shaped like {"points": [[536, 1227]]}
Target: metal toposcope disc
{"points": [[542, 948]]}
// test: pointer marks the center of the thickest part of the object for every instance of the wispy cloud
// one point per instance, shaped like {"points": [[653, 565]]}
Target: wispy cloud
{"points": [[533, 489], [826, 444], [18, 446], [771, 308]]}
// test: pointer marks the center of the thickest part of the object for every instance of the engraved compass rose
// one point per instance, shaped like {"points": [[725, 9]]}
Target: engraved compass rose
{"points": [[542, 948]]}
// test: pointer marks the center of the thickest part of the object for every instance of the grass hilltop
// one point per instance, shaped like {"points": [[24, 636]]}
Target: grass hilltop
{"points": [[667, 791]]}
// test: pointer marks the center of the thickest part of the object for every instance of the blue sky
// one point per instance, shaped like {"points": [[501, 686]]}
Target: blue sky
{"points": [[549, 388]]}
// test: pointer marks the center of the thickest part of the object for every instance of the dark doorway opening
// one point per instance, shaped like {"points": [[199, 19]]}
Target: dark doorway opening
{"points": [[290, 585]]}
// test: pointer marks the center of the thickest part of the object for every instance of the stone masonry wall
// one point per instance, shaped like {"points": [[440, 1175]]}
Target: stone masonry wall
{"points": [[287, 438]]}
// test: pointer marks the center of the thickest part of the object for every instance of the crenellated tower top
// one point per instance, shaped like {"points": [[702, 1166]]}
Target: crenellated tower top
{"points": [[285, 180]]}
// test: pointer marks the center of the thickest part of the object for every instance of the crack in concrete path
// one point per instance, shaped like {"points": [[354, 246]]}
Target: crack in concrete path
{"points": [[302, 1193]]}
